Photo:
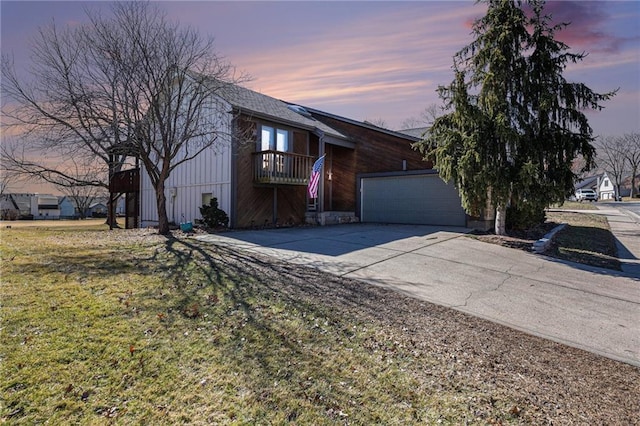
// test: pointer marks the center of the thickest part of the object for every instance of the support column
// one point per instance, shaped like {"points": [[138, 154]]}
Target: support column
{"points": [[275, 205]]}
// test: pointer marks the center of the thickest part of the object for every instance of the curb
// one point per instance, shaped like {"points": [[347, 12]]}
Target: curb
{"points": [[543, 243]]}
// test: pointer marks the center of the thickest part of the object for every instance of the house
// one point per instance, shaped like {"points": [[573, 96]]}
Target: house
{"points": [[8, 209], [22, 204], [625, 188], [45, 206], [97, 209], [260, 171], [67, 207], [601, 183], [605, 188]]}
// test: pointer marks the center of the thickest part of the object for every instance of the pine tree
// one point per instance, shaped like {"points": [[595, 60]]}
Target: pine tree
{"points": [[514, 125]]}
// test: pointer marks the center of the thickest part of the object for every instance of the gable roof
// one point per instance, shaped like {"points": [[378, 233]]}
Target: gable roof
{"points": [[249, 102]]}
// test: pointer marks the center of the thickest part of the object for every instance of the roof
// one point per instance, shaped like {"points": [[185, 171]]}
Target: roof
{"points": [[416, 132], [364, 124], [588, 182], [22, 201], [253, 103]]}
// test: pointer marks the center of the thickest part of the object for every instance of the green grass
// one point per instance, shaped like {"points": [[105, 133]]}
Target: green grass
{"points": [[98, 327]]}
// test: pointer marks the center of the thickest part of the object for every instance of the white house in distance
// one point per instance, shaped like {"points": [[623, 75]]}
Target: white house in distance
{"points": [[45, 206], [600, 183]]}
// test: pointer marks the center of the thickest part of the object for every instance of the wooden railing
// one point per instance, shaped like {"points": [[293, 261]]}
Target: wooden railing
{"points": [[125, 181], [282, 168]]}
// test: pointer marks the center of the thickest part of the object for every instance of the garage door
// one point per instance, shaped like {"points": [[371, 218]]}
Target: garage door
{"points": [[416, 199]]}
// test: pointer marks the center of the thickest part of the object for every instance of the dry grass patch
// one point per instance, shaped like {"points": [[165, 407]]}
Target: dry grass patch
{"points": [[587, 239], [133, 328]]}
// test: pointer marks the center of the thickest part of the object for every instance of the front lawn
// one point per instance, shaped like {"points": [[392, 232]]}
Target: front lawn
{"points": [[129, 327]]}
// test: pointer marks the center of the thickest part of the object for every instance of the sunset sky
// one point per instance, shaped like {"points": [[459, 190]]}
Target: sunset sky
{"points": [[373, 60]]}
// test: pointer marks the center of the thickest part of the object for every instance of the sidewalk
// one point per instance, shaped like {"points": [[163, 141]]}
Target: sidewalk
{"points": [[625, 226]]}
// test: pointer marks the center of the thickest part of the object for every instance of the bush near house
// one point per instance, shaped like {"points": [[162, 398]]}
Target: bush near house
{"points": [[213, 216]]}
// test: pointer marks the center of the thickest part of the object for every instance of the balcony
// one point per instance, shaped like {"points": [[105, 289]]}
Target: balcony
{"points": [[125, 181], [281, 168]]}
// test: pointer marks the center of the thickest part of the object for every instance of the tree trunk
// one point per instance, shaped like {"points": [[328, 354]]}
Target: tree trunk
{"points": [[501, 220], [633, 183], [161, 200], [111, 213]]}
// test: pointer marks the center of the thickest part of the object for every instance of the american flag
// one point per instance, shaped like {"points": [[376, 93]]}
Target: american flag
{"points": [[315, 178]]}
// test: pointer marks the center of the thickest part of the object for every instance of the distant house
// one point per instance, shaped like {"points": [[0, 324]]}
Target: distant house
{"points": [[67, 208], [45, 206], [97, 209], [625, 188], [370, 174], [8, 209], [23, 204], [601, 183]]}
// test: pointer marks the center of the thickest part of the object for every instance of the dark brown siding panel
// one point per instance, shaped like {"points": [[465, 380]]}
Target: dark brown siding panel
{"points": [[340, 191], [255, 203], [377, 151]]}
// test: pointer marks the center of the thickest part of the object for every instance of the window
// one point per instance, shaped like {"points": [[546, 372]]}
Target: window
{"points": [[206, 198], [606, 183], [273, 139]]}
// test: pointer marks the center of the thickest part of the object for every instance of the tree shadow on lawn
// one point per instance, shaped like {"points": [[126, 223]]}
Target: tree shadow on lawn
{"points": [[586, 245], [448, 343]]}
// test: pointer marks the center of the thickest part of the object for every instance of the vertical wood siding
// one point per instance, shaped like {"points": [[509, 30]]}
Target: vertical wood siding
{"points": [[209, 172]]}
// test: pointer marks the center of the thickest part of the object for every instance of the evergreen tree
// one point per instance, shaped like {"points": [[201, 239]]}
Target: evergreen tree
{"points": [[513, 125]]}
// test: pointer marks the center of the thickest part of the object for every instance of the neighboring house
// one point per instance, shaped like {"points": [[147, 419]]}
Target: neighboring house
{"points": [[625, 188], [67, 207], [601, 183], [97, 209], [370, 174], [605, 189], [8, 209], [45, 206], [23, 203]]}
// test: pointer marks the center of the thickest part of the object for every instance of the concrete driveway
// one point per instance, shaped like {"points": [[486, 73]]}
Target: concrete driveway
{"points": [[590, 308]]}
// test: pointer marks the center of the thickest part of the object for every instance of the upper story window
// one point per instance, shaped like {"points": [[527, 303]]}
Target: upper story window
{"points": [[606, 183], [273, 139]]}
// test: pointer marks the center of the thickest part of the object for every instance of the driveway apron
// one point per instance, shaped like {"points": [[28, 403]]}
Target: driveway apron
{"points": [[594, 309]]}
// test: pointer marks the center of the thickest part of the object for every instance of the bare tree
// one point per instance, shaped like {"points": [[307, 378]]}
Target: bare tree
{"points": [[378, 122], [425, 119], [632, 155], [131, 84], [610, 156], [6, 179]]}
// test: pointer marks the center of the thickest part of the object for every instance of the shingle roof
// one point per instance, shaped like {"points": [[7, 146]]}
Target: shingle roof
{"points": [[253, 103], [416, 132]]}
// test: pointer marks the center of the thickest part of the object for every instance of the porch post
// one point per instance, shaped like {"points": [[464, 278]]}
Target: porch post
{"points": [[275, 204], [321, 152]]}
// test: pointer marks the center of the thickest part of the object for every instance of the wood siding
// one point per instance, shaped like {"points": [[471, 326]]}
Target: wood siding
{"points": [[254, 202], [208, 173], [375, 152]]}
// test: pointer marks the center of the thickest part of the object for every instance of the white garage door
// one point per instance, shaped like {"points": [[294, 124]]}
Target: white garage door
{"points": [[415, 199]]}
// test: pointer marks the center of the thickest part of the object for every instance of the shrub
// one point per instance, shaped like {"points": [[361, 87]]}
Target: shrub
{"points": [[213, 216], [525, 216]]}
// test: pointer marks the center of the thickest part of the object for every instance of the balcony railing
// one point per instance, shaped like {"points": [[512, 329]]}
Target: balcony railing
{"points": [[125, 181], [282, 168]]}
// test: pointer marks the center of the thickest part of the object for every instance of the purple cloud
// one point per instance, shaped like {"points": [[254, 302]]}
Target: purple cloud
{"points": [[586, 30]]}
